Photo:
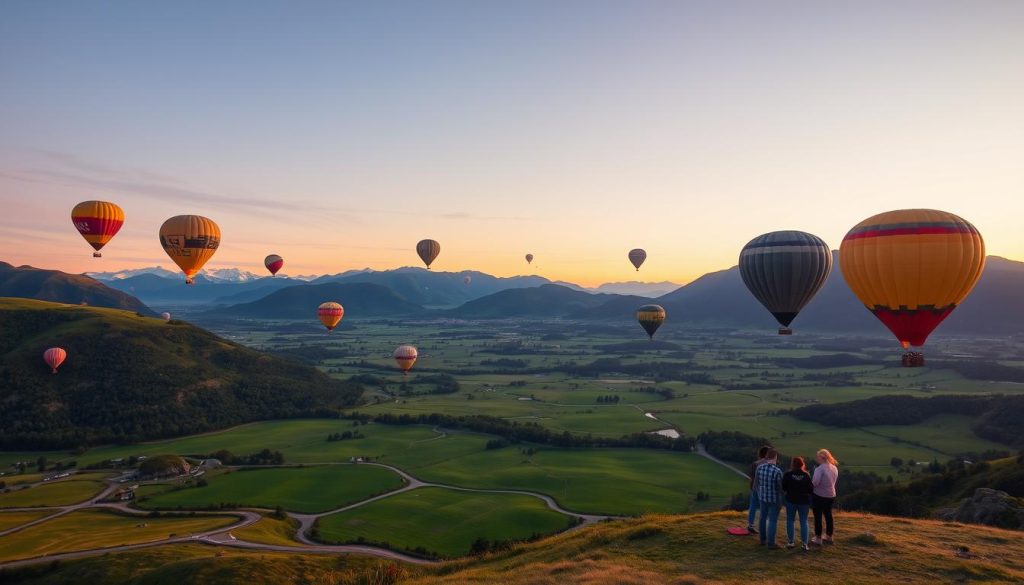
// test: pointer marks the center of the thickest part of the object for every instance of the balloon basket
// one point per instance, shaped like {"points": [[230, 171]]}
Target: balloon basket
{"points": [[97, 255], [785, 331], [912, 359]]}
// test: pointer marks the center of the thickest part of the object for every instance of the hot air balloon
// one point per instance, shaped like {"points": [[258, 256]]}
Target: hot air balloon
{"points": [[165, 316], [54, 357], [190, 240], [330, 314], [912, 268], [650, 317], [405, 356], [529, 258], [467, 279], [98, 222], [784, 270], [428, 251], [637, 257], [273, 263]]}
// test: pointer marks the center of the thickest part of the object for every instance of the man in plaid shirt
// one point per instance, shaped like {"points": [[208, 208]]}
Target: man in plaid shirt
{"points": [[769, 490]]}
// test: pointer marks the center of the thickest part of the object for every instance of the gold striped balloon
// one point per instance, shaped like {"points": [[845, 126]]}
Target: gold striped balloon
{"points": [[650, 317], [190, 240]]}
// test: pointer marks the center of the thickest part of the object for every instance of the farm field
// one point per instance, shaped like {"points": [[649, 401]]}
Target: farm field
{"points": [[297, 489], [12, 519], [447, 521], [94, 529], [59, 493], [598, 481], [269, 530]]}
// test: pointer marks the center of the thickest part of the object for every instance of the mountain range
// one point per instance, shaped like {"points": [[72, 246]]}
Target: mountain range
{"points": [[718, 299]]}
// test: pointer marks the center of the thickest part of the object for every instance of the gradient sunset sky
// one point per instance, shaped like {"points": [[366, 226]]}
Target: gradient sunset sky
{"points": [[337, 134]]}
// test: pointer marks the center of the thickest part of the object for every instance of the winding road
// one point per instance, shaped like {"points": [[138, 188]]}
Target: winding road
{"points": [[224, 537]]}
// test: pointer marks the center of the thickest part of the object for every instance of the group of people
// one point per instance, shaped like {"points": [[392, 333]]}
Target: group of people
{"points": [[799, 491]]}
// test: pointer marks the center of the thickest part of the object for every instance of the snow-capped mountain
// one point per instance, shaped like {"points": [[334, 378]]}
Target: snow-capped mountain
{"points": [[128, 273], [640, 289], [216, 275]]}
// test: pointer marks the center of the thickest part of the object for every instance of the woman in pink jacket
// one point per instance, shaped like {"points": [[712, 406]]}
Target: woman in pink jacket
{"points": [[825, 476]]}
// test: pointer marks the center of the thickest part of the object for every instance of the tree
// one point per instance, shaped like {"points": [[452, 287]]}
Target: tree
{"points": [[41, 463]]}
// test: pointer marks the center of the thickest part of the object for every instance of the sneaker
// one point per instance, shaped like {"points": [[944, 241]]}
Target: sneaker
{"points": [[790, 544], [806, 547], [828, 540], [751, 530], [816, 541]]}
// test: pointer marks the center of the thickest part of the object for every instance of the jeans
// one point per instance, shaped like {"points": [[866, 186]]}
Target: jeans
{"points": [[752, 512], [791, 513], [769, 522], [823, 507]]}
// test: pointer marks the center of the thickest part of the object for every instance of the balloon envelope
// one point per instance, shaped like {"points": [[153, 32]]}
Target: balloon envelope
{"points": [[650, 317], [428, 251], [529, 258], [165, 316], [912, 268], [330, 314], [637, 257], [467, 279], [190, 240], [98, 222], [784, 270], [273, 263], [54, 357], [405, 356]]}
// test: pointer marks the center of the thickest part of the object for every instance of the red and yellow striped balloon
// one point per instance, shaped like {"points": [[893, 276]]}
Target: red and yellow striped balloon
{"points": [[912, 267], [98, 222], [330, 314], [405, 356]]}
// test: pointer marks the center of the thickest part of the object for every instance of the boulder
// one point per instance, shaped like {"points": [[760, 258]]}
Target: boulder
{"points": [[987, 506]]}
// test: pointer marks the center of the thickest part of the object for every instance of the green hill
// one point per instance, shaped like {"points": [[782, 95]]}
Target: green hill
{"points": [[53, 285], [650, 550], [129, 378]]}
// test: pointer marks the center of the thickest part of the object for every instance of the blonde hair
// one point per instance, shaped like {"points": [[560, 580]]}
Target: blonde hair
{"points": [[827, 456]]}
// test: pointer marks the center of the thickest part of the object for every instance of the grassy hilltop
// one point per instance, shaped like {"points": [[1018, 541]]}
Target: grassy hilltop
{"points": [[642, 551], [130, 377]]}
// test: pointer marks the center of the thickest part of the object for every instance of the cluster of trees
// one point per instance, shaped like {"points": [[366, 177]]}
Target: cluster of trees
{"points": [[732, 445], [1001, 418], [609, 399], [505, 363], [660, 371], [263, 457], [345, 436], [130, 380], [820, 362], [517, 432]]}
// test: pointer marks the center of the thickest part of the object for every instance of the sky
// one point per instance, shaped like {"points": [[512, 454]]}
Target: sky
{"points": [[338, 134]]}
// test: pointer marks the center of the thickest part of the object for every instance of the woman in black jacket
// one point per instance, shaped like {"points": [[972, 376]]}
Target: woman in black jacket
{"points": [[797, 485]]}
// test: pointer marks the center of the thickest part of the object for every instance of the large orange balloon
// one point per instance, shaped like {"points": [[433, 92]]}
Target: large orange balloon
{"points": [[190, 240], [54, 357], [428, 251], [330, 314], [405, 356], [912, 267], [98, 222]]}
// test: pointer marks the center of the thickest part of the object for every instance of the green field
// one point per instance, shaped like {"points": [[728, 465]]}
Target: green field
{"points": [[89, 529], [59, 493], [298, 489], [447, 521], [598, 481]]}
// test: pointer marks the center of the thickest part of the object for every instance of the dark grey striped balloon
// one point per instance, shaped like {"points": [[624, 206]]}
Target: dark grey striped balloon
{"points": [[784, 270]]}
